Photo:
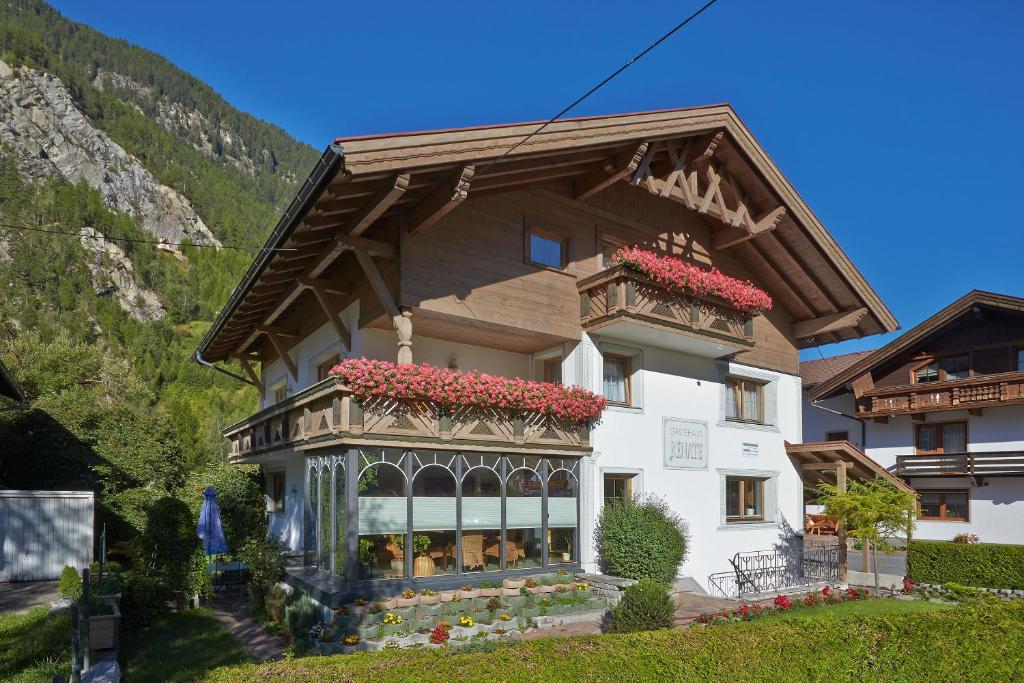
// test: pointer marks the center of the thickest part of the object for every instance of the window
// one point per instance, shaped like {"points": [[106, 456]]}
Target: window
{"points": [[546, 249], [618, 487], [943, 505], [952, 367], [553, 370], [837, 436], [1020, 360], [609, 246], [324, 368], [744, 499], [280, 392], [929, 373], [275, 492], [948, 437], [744, 400], [617, 387]]}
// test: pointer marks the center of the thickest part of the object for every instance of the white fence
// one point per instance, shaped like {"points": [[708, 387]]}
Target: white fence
{"points": [[42, 531]]}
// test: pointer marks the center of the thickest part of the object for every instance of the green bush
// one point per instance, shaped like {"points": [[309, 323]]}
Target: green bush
{"points": [[641, 539], [958, 644], [144, 597], [168, 547], [300, 614], [645, 606], [70, 583], [986, 565], [265, 559]]}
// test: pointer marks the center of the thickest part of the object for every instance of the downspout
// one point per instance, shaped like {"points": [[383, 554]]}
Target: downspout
{"points": [[206, 364], [863, 425]]}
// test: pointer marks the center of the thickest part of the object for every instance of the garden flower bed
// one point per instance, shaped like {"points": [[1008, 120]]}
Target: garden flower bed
{"points": [[451, 389], [829, 595], [457, 620], [677, 275]]}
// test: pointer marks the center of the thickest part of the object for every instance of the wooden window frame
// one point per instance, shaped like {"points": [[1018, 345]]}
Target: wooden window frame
{"points": [[942, 505], [550, 362], [608, 241], [938, 436], [627, 378], [627, 477], [744, 481], [938, 361], [277, 507], [328, 360], [735, 385], [274, 389], [829, 436], [564, 241]]}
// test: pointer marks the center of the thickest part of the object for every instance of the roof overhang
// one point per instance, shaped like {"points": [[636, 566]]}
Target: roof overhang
{"points": [[417, 177], [810, 460], [906, 341]]}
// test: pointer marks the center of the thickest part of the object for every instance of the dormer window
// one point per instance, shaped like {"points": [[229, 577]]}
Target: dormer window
{"points": [[952, 367]]}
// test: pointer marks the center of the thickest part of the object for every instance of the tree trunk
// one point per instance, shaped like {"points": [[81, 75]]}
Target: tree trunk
{"points": [[874, 561]]}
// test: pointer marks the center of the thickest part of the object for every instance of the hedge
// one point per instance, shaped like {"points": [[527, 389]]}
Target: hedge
{"points": [[980, 642], [986, 565]]}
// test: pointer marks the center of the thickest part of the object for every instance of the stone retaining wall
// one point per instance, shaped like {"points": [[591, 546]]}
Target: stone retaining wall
{"points": [[608, 587], [1004, 593]]}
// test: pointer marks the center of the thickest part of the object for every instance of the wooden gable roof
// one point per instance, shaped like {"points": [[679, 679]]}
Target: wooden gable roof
{"points": [[702, 157], [908, 341]]}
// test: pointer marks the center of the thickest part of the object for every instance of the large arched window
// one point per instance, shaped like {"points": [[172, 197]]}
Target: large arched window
{"points": [[524, 494], [310, 512], [481, 513], [340, 519], [433, 515], [383, 511], [562, 517]]}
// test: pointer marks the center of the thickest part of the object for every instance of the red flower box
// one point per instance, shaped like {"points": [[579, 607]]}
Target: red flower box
{"points": [[675, 274], [370, 379]]}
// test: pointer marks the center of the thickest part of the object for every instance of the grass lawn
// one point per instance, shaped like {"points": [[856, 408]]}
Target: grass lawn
{"points": [[178, 647], [868, 607], [35, 645]]}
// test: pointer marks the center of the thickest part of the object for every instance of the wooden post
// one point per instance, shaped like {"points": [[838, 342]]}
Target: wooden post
{"points": [[841, 531], [76, 646], [84, 600]]}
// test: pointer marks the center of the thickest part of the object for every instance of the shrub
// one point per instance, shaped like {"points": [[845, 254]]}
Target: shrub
{"points": [[70, 583], [144, 598], [986, 565], [645, 606], [265, 560], [965, 538], [274, 601], [169, 546], [641, 539], [299, 615]]}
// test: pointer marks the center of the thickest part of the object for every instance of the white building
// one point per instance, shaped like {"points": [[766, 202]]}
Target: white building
{"points": [[504, 268], [942, 406]]}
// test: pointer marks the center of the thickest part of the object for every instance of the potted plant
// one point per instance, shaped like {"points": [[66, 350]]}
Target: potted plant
{"points": [[429, 597], [467, 592], [104, 625], [446, 596], [513, 583], [385, 604], [490, 589], [408, 599], [359, 607]]}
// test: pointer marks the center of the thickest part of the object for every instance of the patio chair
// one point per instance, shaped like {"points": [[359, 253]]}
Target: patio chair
{"points": [[473, 551]]}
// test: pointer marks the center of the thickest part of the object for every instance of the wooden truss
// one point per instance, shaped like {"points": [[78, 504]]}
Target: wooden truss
{"points": [[698, 184]]}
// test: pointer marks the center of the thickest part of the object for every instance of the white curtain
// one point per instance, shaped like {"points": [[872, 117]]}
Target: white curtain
{"points": [[614, 381], [479, 512], [383, 515]]}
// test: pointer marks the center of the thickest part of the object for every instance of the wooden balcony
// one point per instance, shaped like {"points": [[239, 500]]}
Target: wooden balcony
{"points": [[623, 303], [972, 393], [987, 464], [327, 414]]}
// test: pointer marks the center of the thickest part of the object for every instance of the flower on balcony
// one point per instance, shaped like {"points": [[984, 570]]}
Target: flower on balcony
{"points": [[675, 274], [450, 388]]}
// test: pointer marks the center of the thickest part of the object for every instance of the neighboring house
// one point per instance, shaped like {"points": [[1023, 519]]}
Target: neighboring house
{"points": [[439, 248], [943, 407]]}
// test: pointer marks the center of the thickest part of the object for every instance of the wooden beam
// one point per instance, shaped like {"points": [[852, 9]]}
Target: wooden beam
{"points": [[837, 465], [378, 205], [610, 174], [730, 236], [841, 530], [254, 379], [339, 327], [828, 323], [400, 317], [862, 384], [272, 334], [445, 197]]}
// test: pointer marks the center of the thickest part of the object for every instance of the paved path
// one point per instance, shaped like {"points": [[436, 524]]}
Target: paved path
{"points": [[261, 645], [21, 596]]}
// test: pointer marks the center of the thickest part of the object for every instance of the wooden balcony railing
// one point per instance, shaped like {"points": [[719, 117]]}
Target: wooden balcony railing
{"points": [[620, 292], [972, 393], [985, 464], [327, 414]]}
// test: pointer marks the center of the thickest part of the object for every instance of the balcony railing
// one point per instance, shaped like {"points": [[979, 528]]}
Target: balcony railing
{"points": [[986, 464], [971, 393], [327, 414], [620, 292]]}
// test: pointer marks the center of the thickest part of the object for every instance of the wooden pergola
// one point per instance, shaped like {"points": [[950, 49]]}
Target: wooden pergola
{"points": [[835, 462]]}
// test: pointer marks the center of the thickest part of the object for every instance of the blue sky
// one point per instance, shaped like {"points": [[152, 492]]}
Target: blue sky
{"points": [[898, 122]]}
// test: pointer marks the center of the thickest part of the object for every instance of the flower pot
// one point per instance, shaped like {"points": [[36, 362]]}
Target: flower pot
{"points": [[407, 602], [358, 610], [490, 592], [546, 589], [446, 596], [387, 603], [430, 599], [470, 594], [507, 592], [513, 583], [404, 612], [432, 610], [423, 566], [104, 630], [534, 590]]}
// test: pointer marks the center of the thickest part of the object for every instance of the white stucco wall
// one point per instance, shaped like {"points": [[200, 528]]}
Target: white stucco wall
{"points": [[818, 420]]}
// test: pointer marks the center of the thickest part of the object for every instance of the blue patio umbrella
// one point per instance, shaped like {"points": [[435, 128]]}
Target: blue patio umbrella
{"points": [[209, 528]]}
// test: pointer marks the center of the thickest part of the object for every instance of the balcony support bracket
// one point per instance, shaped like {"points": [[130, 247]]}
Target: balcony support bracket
{"points": [[401, 318]]}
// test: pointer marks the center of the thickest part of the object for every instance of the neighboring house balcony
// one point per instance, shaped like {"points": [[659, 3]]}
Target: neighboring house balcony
{"points": [[625, 304], [327, 414], [974, 465], [972, 393]]}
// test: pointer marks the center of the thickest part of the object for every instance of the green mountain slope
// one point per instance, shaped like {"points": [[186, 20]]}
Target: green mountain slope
{"points": [[65, 297]]}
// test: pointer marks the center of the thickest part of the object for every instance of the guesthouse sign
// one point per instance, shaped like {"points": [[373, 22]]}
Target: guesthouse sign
{"points": [[686, 444]]}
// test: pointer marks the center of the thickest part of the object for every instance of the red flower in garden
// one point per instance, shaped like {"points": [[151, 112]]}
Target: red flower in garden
{"points": [[369, 379], [908, 585], [440, 635], [852, 593], [744, 610], [836, 600], [826, 591], [811, 600], [675, 274], [783, 602]]}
